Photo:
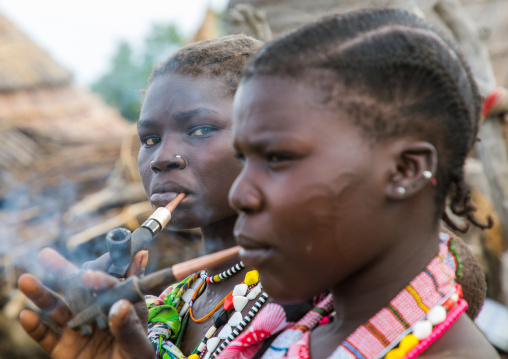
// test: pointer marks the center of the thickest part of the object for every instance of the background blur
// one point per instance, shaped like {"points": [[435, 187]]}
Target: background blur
{"points": [[70, 75]]}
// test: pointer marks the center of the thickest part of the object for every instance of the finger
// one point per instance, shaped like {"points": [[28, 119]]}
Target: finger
{"points": [[44, 298], [138, 265], [98, 280], [55, 263], [100, 264], [37, 330], [128, 331]]}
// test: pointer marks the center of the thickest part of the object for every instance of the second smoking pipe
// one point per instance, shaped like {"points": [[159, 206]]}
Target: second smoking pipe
{"points": [[123, 245], [133, 289]]}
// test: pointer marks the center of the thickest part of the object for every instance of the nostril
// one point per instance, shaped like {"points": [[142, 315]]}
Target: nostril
{"points": [[247, 210], [173, 165]]}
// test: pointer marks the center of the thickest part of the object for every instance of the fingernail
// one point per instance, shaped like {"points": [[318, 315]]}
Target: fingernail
{"points": [[118, 308]]}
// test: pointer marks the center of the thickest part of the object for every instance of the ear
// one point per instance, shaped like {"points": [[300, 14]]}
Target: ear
{"points": [[413, 168]]}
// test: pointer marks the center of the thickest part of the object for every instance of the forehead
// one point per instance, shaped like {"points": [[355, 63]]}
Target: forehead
{"points": [[268, 98], [176, 93], [282, 105], [269, 110]]}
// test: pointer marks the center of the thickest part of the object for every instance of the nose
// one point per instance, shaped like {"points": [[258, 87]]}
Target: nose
{"points": [[165, 162], [244, 196]]}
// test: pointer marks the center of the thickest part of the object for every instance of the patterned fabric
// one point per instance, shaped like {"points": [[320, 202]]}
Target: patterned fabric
{"points": [[271, 320], [281, 344], [162, 328], [386, 328], [164, 321], [496, 103]]}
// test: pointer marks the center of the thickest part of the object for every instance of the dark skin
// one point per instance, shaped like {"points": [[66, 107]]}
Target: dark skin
{"points": [[319, 209], [185, 116]]}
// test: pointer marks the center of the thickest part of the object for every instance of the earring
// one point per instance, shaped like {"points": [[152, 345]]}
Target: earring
{"points": [[428, 175], [401, 190]]}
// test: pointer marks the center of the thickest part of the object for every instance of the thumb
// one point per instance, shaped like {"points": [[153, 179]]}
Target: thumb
{"points": [[128, 331]]}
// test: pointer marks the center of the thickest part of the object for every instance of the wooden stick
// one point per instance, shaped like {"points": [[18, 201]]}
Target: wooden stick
{"points": [[175, 202], [181, 270]]}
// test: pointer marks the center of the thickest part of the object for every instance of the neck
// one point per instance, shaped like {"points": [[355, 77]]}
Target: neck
{"points": [[218, 236], [370, 289]]}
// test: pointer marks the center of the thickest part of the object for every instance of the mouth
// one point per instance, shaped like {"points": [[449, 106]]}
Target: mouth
{"points": [[253, 253], [163, 194]]}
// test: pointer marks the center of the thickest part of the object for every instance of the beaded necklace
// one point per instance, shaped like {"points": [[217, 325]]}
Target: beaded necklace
{"points": [[170, 312], [412, 321], [237, 301], [222, 276]]}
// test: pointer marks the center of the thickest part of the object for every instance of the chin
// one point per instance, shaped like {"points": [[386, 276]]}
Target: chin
{"points": [[185, 222], [282, 292]]}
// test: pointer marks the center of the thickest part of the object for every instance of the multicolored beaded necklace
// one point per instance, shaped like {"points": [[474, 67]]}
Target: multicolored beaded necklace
{"points": [[412, 321], [169, 313]]}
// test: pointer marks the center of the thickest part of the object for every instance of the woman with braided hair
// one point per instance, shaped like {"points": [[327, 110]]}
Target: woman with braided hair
{"points": [[353, 131], [185, 132]]}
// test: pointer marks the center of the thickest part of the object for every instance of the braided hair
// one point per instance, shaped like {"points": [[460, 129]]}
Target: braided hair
{"points": [[402, 78], [223, 58]]}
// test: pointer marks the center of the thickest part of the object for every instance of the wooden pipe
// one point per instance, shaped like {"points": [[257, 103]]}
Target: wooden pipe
{"points": [[123, 245], [133, 288]]}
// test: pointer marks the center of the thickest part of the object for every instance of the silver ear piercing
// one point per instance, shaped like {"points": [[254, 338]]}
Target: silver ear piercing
{"points": [[430, 176], [401, 190]]}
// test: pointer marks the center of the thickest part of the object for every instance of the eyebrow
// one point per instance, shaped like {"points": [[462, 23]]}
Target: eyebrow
{"points": [[258, 143], [180, 116], [187, 115]]}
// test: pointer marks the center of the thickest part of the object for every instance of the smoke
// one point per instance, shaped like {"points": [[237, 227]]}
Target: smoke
{"points": [[31, 217]]}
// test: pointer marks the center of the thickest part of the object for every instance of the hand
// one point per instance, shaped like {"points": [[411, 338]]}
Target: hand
{"points": [[126, 337]]}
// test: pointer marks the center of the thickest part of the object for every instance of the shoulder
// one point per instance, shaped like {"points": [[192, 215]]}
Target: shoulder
{"points": [[463, 340]]}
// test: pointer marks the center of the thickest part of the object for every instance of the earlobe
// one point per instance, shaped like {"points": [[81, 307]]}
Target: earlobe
{"points": [[413, 169]]}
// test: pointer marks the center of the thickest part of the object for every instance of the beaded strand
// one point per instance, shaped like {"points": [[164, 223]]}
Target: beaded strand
{"points": [[458, 272], [426, 331], [222, 276], [439, 330], [243, 324], [236, 300]]}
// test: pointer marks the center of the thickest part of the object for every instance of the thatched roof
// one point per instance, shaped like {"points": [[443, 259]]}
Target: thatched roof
{"points": [[25, 65], [36, 92], [208, 28], [59, 142], [65, 109]]}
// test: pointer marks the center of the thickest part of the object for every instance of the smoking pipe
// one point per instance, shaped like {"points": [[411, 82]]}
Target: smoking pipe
{"points": [[96, 307], [123, 245]]}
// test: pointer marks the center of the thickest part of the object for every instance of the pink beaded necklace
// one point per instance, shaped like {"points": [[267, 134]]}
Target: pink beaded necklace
{"points": [[413, 320]]}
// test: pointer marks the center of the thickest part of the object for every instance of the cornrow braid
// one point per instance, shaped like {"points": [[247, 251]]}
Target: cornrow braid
{"points": [[402, 78], [224, 58]]}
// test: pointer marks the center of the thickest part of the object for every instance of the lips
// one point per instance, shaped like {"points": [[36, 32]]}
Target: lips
{"points": [[253, 252], [162, 194]]}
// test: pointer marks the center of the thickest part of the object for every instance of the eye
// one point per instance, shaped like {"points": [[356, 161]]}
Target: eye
{"points": [[150, 141], [240, 157], [204, 131], [276, 160]]}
